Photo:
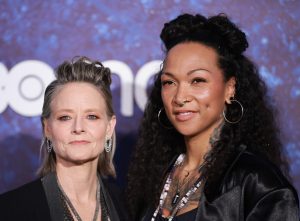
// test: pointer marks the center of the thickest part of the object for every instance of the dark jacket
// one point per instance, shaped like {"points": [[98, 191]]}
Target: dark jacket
{"points": [[29, 202], [252, 189]]}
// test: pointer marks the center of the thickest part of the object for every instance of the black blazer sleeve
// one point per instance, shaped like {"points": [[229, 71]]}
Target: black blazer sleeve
{"points": [[265, 193], [276, 205]]}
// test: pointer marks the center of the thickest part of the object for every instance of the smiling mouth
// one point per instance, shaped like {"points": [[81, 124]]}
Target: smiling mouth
{"points": [[184, 113], [184, 116]]}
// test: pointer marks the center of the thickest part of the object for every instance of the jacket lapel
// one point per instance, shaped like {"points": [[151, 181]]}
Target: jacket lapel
{"points": [[110, 205]]}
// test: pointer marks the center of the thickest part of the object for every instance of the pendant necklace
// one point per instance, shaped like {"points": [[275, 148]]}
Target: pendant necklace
{"points": [[179, 203], [178, 187]]}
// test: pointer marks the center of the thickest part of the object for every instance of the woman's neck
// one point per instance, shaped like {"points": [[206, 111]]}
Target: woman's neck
{"points": [[78, 182], [195, 152], [198, 146]]}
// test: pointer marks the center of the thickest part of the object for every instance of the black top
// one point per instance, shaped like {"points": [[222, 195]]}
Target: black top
{"points": [[29, 202], [251, 189]]}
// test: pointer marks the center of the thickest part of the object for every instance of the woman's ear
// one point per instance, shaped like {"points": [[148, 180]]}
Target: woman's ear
{"points": [[230, 90], [111, 126], [47, 131]]}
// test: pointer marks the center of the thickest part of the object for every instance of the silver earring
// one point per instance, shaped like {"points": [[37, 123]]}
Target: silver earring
{"points": [[232, 121], [107, 145], [160, 121], [49, 145]]}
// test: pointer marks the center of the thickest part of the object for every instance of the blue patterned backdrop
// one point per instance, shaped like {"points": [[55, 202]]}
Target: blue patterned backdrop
{"points": [[35, 36]]}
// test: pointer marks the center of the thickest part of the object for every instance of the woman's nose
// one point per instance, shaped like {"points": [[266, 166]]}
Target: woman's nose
{"points": [[78, 126], [182, 96]]}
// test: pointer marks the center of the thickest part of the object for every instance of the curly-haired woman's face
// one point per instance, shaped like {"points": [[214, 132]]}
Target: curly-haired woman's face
{"points": [[78, 124], [194, 91]]}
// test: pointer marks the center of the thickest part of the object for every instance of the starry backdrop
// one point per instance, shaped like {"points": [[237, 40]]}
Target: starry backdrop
{"points": [[50, 32]]}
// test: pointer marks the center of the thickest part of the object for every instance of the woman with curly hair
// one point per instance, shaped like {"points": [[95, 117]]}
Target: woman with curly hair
{"points": [[208, 147]]}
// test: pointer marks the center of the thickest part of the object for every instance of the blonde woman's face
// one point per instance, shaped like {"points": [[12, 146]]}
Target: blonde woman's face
{"points": [[78, 125]]}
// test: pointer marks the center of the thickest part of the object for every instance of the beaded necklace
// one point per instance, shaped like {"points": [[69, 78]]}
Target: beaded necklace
{"points": [[180, 204]]}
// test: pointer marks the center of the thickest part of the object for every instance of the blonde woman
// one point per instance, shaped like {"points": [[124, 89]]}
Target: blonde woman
{"points": [[78, 144]]}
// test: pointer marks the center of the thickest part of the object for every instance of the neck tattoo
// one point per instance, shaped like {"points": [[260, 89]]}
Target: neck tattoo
{"points": [[216, 134]]}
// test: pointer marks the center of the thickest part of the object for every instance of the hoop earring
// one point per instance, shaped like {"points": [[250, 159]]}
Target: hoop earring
{"points": [[160, 121], [49, 145], [107, 145], [239, 118]]}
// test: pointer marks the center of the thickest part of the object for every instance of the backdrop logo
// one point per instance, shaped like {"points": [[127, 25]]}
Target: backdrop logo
{"points": [[22, 88]]}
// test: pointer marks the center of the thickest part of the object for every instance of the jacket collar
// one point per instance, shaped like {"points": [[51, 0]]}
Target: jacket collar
{"points": [[240, 150], [56, 209]]}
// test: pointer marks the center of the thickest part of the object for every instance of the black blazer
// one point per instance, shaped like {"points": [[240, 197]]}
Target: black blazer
{"points": [[252, 189], [29, 202]]}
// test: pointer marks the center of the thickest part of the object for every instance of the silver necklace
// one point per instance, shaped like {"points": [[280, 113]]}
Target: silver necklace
{"points": [[179, 184], [179, 203], [74, 211]]}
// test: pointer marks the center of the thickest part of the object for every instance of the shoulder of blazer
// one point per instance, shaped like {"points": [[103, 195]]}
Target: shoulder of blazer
{"points": [[250, 169], [25, 203], [32, 190], [250, 163]]}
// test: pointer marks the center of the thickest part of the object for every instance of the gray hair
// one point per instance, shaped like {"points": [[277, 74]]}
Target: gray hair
{"points": [[80, 69]]}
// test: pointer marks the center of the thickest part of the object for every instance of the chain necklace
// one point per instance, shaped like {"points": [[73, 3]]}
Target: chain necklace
{"points": [[178, 204], [74, 211], [179, 186], [104, 209], [67, 214]]}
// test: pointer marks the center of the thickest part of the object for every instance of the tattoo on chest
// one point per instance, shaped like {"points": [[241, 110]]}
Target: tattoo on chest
{"points": [[181, 186]]}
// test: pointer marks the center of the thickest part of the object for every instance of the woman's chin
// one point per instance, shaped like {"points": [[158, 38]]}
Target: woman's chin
{"points": [[79, 160]]}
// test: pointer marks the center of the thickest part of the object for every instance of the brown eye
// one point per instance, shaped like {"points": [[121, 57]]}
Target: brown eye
{"points": [[198, 80], [166, 82]]}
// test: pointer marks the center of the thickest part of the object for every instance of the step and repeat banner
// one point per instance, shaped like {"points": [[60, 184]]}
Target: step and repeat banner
{"points": [[36, 36]]}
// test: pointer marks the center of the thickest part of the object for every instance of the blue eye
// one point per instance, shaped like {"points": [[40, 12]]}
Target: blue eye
{"points": [[64, 118], [92, 117]]}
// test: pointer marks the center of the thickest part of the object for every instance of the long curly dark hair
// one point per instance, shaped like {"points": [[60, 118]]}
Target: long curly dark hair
{"points": [[257, 129]]}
